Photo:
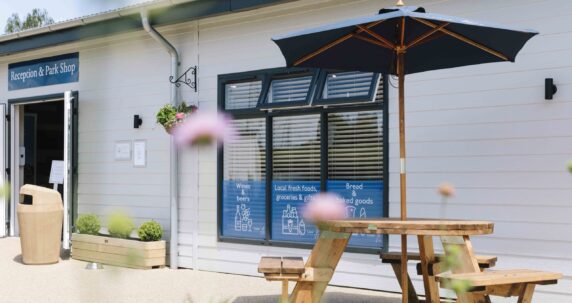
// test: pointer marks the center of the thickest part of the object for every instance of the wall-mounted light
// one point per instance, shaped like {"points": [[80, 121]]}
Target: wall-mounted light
{"points": [[549, 88], [137, 121]]}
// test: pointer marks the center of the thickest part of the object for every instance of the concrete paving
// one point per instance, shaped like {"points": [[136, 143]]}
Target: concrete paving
{"points": [[69, 281]]}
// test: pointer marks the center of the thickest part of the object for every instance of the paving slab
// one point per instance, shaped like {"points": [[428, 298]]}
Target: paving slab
{"points": [[69, 281]]}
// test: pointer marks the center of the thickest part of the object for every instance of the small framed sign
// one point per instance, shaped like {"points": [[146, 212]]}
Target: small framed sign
{"points": [[123, 150], [57, 172], [139, 153]]}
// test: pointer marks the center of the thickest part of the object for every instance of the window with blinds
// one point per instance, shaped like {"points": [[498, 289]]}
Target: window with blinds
{"points": [[335, 144], [355, 146], [348, 85], [241, 95], [244, 181], [289, 91], [296, 148], [355, 166], [296, 162]]}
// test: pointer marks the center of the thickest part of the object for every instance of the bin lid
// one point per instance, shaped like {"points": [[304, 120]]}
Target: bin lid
{"points": [[41, 195]]}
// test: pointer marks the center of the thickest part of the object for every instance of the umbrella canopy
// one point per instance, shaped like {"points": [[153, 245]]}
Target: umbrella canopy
{"points": [[430, 42], [402, 40]]}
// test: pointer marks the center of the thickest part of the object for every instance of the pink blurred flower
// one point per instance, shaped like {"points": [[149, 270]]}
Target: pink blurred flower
{"points": [[324, 206], [180, 116], [446, 190], [203, 128]]}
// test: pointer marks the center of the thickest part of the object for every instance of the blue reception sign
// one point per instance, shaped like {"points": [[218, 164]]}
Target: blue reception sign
{"points": [[363, 200], [244, 209], [45, 71], [288, 199]]}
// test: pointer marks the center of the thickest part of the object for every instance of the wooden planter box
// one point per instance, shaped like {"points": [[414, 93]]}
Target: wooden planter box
{"points": [[118, 252]]}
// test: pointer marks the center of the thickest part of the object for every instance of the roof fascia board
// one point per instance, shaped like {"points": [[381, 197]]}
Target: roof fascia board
{"points": [[82, 30]]}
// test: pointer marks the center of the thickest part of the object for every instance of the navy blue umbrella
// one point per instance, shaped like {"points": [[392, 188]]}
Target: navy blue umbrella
{"points": [[402, 40]]}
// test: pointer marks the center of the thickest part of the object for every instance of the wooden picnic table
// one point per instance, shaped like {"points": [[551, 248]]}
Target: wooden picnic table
{"points": [[335, 235]]}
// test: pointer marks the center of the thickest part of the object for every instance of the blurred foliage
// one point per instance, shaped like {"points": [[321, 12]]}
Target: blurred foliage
{"points": [[120, 225], [451, 262], [88, 224], [36, 18]]}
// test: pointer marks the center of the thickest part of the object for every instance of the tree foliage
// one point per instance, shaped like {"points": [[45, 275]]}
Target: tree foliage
{"points": [[36, 18]]}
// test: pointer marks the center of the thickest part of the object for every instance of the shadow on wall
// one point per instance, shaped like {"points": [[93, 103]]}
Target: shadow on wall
{"points": [[330, 297]]}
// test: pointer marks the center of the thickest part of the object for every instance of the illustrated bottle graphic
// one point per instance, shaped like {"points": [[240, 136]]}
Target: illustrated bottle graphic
{"points": [[302, 228], [237, 219]]}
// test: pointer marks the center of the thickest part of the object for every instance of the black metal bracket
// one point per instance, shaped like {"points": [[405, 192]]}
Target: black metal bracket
{"points": [[190, 81]]}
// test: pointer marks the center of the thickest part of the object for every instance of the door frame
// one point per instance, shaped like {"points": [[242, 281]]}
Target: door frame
{"points": [[14, 169], [4, 211]]}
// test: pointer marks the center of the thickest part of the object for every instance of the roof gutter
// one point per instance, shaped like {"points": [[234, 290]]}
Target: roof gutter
{"points": [[174, 156]]}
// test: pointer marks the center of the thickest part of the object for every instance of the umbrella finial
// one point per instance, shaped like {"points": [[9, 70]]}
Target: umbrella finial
{"points": [[400, 3]]}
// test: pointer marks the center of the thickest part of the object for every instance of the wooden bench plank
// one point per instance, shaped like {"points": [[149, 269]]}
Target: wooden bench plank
{"points": [[390, 257], [270, 265], [293, 265], [503, 277]]}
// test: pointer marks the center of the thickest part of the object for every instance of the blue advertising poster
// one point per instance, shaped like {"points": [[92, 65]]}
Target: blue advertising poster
{"points": [[244, 209], [45, 71], [364, 200], [288, 199]]}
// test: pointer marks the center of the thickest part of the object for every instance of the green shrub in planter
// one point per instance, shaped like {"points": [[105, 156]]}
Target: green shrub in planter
{"points": [[88, 224], [150, 231], [120, 225]]}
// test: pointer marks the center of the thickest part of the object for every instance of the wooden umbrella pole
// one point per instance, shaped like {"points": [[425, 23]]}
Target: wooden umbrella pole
{"points": [[401, 75]]}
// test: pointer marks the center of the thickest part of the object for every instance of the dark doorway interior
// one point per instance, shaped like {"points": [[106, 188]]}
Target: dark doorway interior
{"points": [[43, 140]]}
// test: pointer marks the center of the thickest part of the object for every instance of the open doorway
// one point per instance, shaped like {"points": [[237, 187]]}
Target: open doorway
{"points": [[43, 148], [43, 141]]}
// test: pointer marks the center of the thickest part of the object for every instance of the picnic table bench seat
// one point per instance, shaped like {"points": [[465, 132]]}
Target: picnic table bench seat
{"points": [[505, 283], [394, 258], [283, 269]]}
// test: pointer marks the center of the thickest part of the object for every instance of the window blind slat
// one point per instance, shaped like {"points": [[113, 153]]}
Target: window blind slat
{"points": [[296, 148], [355, 146]]}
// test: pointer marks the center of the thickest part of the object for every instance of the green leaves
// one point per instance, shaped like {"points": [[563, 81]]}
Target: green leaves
{"points": [[88, 224], [120, 225], [36, 18], [150, 231]]}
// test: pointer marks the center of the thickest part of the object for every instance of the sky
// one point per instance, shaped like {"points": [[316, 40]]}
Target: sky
{"points": [[59, 10]]}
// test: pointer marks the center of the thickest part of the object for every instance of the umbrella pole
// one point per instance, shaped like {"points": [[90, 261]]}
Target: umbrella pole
{"points": [[402, 183]]}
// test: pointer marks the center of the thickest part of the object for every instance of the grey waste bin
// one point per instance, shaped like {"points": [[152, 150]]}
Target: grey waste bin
{"points": [[40, 225]]}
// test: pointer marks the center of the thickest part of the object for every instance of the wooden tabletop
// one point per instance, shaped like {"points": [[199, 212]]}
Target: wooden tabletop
{"points": [[412, 226]]}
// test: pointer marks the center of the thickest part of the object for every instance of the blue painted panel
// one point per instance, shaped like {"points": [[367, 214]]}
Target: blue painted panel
{"points": [[364, 199], [244, 209], [43, 72], [288, 198]]}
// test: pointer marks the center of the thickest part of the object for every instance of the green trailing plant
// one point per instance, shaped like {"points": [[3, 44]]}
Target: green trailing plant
{"points": [[169, 115], [150, 231], [88, 224], [120, 225]]}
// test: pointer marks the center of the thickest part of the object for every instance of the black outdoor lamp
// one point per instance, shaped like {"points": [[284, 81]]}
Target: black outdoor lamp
{"points": [[549, 88], [137, 121]]}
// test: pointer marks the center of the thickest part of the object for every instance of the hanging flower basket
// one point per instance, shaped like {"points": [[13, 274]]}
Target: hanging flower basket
{"points": [[170, 116]]}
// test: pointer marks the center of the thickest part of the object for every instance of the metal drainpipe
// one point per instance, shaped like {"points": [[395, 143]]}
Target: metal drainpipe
{"points": [[174, 157]]}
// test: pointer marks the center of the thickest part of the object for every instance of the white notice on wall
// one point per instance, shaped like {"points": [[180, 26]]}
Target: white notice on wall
{"points": [[57, 172], [139, 153], [123, 150]]}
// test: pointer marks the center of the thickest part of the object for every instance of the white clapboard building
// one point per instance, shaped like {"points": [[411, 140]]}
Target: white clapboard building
{"points": [[86, 91]]}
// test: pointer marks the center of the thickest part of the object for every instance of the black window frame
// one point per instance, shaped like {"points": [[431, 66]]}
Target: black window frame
{"points": [[281, 74], [369, 98], [269, 114]]}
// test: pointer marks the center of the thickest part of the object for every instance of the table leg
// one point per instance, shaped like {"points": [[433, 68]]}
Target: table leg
{"points": [[412, 298], [326, 254], [467, 262], [427, 254]]}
